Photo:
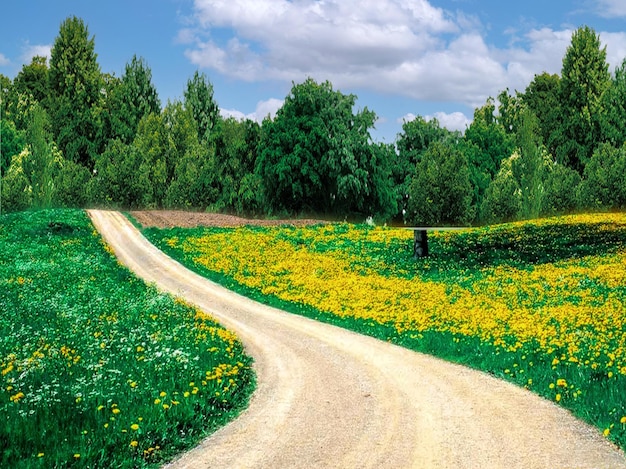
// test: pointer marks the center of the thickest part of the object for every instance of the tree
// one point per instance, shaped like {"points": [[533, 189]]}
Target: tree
{"points": [[529, 166], [236, 151], [416, 137], [161, 143], [199, 100], [441, 192], [604, 180], [584, 80], [485, 145], [317, 155], [33, 80], [75, 85], [613, 123], [502, 201], [561, 189], [134, 98], [38, 166], [542, 98]]}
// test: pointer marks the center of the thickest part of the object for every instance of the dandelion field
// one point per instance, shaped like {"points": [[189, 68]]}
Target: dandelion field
{"points": [[539, 303], [96, 368]]}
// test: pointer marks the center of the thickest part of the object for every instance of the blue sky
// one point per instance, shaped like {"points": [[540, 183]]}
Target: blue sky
{"points": [[434, 58]]}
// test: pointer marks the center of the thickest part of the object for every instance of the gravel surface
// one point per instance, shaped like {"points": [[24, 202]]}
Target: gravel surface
{"points": [[327, 397]]}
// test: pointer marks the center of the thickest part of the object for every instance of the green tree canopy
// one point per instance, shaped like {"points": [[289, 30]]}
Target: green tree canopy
{"points": [[441, 192], [542, 97], [75, 85], [584, 80], [613, 123], [317, 155], [199, 100], [134, 98]]}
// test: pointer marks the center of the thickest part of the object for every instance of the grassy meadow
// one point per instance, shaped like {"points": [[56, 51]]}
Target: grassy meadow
{"points": [[539, 303], [96, 368]]}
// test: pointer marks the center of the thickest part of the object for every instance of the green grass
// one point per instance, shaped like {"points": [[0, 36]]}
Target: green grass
{"points": [[96, 368]]}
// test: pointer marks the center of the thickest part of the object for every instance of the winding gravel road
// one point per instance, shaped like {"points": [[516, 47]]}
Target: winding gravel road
{"points": [[327, 397]]}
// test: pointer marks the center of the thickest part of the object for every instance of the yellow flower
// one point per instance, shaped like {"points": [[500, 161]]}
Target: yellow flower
{"points": [[157, 401], [561, 382], [134, 427], [163, 394], [76, 455], [623, 419], [100, 407], [165, 406], [115, 410], [40, 455], [606, 431], [134, 443], [557, 397]]}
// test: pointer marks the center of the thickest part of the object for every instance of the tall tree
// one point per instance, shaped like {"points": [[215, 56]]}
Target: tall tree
{"points": [[134, 98], [542, 97], [199, 99], [38, 166], [416, 138], [33, 79], [530, 165], [613, 123], [317, 155], [584, 80], [75, 86]]}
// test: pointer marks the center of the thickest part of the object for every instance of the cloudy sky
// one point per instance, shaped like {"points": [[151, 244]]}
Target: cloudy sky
{"points": [[434, 58]]}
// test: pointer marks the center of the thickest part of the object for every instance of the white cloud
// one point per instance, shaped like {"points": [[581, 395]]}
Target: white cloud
{"points": [[611, 8], [30, 51], [451, 121], [4, 60], [263, 109], [403, 47]]}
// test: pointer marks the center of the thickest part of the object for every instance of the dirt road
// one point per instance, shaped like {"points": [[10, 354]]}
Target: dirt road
{"points": [[330, 398]]}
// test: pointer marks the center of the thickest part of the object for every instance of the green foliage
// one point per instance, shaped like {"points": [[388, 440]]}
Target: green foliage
{"points": [[584, 80], [561, 185], [11, 143], [530, 165], [604, 182], [97, 364], [316, 155], [503, 197], [542, 97], [115, 181], [16, 191], [205, 111], [33, 80], [416, 137], [236, 146], [441, 193], [38, 166], [75, 84], [134, 98], [613, 123], [71, 185]]}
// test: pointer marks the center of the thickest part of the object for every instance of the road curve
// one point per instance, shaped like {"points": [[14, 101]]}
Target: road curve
{"points": [[328, 397]]}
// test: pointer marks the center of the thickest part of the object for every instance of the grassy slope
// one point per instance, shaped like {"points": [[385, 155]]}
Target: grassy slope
{"points": [[97, 369]]}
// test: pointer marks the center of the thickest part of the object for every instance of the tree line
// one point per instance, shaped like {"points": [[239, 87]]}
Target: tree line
{"points": [[75, 136]]}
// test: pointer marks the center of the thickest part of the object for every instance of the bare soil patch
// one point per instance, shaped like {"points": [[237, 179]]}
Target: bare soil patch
{"points": [[184, 219]]}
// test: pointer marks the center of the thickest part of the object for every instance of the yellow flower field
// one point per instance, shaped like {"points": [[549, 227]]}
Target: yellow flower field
{"points": [[541, 302]]}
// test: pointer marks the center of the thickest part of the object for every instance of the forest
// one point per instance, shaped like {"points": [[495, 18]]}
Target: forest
{"points": [[74, 136]]}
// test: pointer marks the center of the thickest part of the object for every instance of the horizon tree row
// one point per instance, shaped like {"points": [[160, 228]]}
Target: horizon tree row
{"points": [[75, 136]]}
